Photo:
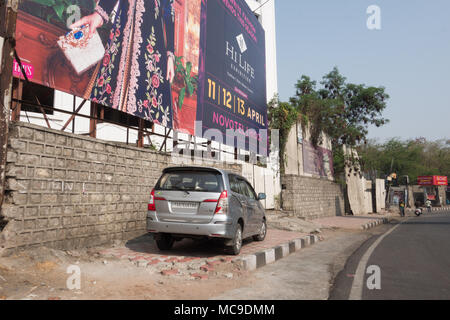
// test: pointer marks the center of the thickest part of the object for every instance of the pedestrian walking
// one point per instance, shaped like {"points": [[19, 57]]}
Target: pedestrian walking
{"points": [[428, 205], [401, 204]]}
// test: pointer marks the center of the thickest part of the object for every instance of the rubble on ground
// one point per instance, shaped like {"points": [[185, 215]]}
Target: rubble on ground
{"points": [[289, 222]]}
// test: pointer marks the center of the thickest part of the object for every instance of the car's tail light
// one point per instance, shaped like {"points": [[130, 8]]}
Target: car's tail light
{"points": [[152, 201], [222, 204]]}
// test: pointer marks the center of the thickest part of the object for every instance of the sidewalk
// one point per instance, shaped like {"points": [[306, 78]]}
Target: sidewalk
{"points": [[198, 259], [367, 221], [362, 222]]}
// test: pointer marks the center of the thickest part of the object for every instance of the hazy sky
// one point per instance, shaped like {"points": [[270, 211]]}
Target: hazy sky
{"points": [[410, 56]]}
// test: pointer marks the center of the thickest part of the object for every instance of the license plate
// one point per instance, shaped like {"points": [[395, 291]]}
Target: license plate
{"points": [[184, 205]]}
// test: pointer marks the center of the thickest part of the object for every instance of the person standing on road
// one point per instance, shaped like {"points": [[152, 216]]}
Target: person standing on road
{"points": [[428, 205], [402, 208]]}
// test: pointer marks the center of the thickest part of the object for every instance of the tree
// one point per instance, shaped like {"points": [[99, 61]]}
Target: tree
{"points": [[341, 110], [414, 158], [315, 111], [357, 106]]}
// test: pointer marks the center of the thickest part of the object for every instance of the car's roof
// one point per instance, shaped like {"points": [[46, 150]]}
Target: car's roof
{"points": [[193, 168], [222, 171]]}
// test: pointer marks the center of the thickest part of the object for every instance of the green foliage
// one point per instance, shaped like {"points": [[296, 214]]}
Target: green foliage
{"points": [[340, 161], [153, 147], [190, 83], [315, 112], [282, 116], [412, 157], [341, 110]]}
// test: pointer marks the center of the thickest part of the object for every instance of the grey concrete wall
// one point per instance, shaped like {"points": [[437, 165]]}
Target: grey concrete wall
{"points": [[312, 198], [294, 160], [442, 195], [380, 195], [68, 191]]}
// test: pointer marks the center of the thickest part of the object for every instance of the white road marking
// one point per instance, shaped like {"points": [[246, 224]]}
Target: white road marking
{"points": [[358, 280]]}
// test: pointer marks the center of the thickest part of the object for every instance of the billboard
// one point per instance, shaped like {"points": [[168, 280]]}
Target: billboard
{"points": [[173, 62], [432, 180], [233, 84], [317, 160]]}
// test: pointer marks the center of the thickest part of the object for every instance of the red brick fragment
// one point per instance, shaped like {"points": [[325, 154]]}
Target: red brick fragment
{"points": [[199, 276], [169, 272], [213, 263], [137, 258], [206, 268]]}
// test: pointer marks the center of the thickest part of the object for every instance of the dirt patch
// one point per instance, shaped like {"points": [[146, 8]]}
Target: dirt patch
{"points": [[287, 221], [42, 274], [46, 266]]}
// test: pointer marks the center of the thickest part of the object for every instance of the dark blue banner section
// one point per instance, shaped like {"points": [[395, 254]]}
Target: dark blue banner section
{"points": [[233, 86]]}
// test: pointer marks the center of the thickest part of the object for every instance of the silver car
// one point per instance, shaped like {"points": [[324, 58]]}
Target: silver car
{"points": [[198, 202]]}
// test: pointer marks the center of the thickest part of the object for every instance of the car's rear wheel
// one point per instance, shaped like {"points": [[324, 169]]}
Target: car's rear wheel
{"points": [[235, 248], [262, 232], [165, 242]]}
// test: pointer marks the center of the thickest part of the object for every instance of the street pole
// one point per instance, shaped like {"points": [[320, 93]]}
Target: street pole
{"points": [[8, 16], [407, 191]]}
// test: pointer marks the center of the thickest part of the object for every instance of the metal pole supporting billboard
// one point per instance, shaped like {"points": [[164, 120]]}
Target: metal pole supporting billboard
{"points": [[8, 16]]}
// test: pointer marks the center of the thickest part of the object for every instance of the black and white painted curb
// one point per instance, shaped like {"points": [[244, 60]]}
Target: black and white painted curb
{"points": [[374, 224], [260, 259], [425, 210]]}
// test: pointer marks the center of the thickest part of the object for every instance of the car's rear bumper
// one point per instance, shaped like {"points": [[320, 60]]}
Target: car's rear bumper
{"points": [[219, 227]]}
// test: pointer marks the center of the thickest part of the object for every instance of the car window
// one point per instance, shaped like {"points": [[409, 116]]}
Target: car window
{"points": [[244, 189], [250, 192], [191, 181], [234, 183]]}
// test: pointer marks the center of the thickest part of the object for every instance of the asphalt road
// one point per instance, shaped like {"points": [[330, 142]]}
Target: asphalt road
{"points": [[413, 257], [305, 275]]}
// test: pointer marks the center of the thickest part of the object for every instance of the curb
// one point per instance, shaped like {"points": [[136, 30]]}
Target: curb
{"points": [[374, 224], [446, 208], [259, 259]]}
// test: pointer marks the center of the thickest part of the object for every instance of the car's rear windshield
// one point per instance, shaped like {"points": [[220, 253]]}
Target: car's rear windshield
{"points": [[200, 181]]}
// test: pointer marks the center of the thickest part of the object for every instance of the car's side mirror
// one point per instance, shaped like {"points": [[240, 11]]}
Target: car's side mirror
{"points": [[262, 196]]}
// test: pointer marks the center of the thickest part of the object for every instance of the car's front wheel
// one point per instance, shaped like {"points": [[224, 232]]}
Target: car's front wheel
{"points": [[236, 246], [262, 232], [165, 242]]}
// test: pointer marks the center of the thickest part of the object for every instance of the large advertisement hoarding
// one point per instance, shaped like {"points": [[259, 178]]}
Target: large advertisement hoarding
{"points": [[233, 85], [190, 65], [432, 181], [317, 160]]}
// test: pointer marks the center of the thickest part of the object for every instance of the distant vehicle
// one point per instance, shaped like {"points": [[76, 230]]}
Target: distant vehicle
{"points": [[199, 202], [418, 211], [418, 206]]}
